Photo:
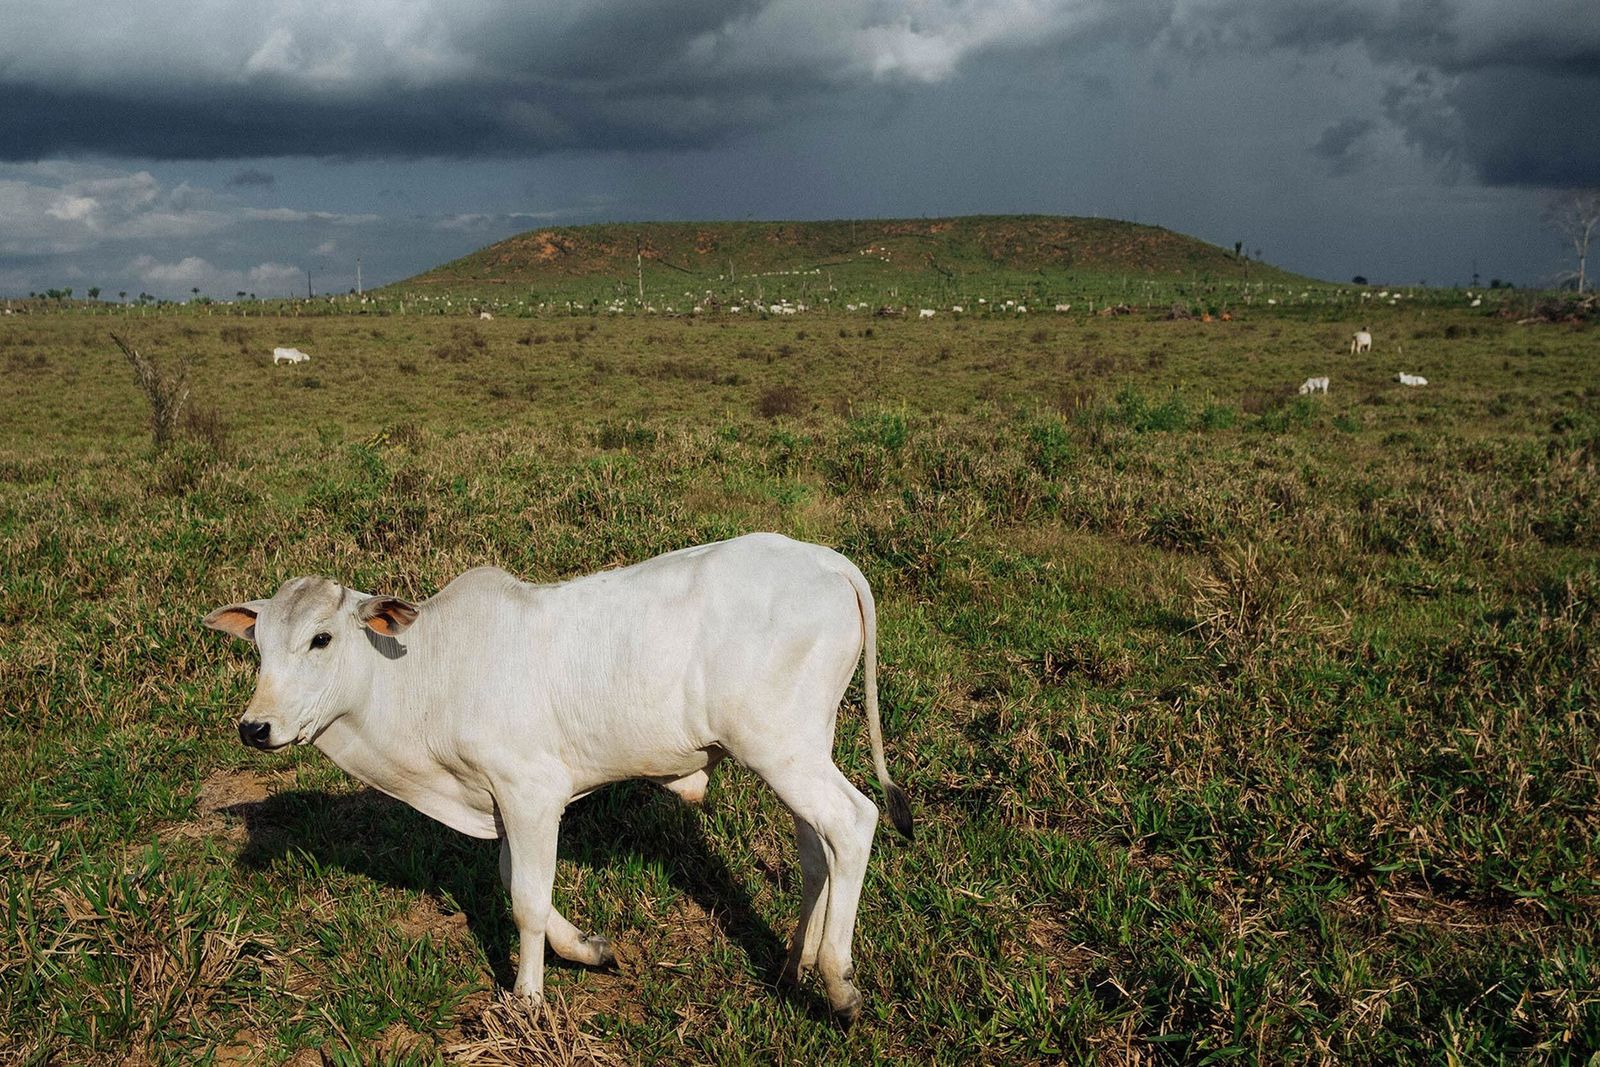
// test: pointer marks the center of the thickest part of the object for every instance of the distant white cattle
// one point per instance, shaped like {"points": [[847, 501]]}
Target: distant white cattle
{"points": [[495, 703], [288, 355], [1360, 341], [486, 316], [1314, 385], [1410, 379], [925, 313], [1063, 307]]}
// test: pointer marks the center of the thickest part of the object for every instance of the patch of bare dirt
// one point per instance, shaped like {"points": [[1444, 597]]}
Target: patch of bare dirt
{"points": [[224, 789], [244, 1047], [398, 1041], [425, 917], [689, 929], [220, 796]]}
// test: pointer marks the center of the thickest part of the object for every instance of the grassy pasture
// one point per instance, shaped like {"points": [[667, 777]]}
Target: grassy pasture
{"points": [[1238, 724]]}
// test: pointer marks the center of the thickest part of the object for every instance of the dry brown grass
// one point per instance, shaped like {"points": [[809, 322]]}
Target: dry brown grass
{"points": [[508, 1032]]}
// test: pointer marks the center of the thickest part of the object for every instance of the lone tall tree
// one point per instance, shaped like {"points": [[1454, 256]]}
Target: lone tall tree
{"points": [[1575, 215]]}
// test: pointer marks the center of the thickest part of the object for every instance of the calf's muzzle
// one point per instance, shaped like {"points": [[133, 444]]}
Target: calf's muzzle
{"points": [[255, 734]]}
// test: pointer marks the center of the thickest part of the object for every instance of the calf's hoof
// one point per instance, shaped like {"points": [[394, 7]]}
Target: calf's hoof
{"points": [[794, 973], [604, 954], [846, 1004]]}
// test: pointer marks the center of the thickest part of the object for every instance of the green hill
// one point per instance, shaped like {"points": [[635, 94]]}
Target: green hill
{"points": [[908, 256]]}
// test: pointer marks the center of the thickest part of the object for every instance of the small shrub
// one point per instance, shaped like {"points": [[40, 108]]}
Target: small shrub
{"points": [[179, 468], [627, 435], [785, 399], [886, 429], [1258, 400], [1218, 417], [1050, 448], [167, 393], [207, 426], [1295, 413], [401, 434], [1249, 601], [310, 382], [406, 366], [1133, 410], [1073, 397], [20, 361], [460, 346]]}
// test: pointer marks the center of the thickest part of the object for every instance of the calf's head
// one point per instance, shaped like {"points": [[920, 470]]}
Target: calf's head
{"points": [[319, 644]]}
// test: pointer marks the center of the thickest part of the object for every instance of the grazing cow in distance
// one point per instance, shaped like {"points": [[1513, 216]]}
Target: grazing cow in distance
{"points": [[1360, 341], [925, 313], [288, 355], [1314, 385], [494, 704], [486, 316]]}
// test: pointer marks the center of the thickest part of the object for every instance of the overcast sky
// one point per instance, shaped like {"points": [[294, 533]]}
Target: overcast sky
{"points": [[232, 146]]}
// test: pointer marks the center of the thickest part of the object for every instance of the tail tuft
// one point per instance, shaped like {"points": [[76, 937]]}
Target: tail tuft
{"points": [[899, 810]]}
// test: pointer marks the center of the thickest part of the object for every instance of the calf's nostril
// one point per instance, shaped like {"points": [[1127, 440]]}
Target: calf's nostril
{"points": [[255, 734]]}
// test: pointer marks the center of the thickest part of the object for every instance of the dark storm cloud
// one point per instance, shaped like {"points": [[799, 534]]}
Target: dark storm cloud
{"points": [[251, 177], [43, 123], [483, 78], [1476, 83], [1506, 90], [1339, 144]]}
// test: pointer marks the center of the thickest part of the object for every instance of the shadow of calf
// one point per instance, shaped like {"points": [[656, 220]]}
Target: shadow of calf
{"points": [[371, 834]]}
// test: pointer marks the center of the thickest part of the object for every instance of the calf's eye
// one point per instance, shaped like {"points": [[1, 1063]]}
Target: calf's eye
{"points": [[321, 640]]}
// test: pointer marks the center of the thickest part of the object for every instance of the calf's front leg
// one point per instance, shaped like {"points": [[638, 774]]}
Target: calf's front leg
{"points": [[532, 821], [568, 941]]}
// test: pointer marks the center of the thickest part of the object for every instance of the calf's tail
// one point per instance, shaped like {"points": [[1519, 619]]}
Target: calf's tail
{"points": [[894, 796]]}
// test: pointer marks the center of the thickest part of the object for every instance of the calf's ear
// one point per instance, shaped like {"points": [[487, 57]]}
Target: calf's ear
{"points": [[387, 616], [237, 619]]}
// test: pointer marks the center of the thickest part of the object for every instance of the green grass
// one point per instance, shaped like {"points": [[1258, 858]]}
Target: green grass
{"points": [[1238, 725]]}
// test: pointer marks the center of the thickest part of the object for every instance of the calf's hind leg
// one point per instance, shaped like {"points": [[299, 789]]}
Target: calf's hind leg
{"points": [[808, 928], [843, 821]]}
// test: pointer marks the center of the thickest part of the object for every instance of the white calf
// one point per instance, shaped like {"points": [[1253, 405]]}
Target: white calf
{"points": [[1360, 341], [1314, 385], [288, 355], [1410, 379], [495, 703]]}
